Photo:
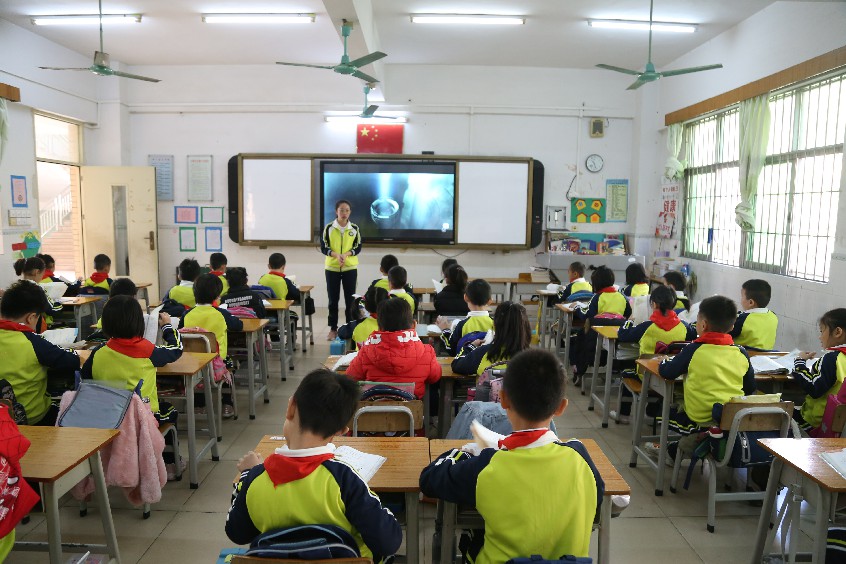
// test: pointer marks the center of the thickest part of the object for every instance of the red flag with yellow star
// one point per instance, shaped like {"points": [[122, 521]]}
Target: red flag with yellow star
{"points": [[379, 138]]}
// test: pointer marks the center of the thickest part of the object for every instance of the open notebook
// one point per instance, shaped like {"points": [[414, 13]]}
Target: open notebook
{"points": [[836, 460], [366, 465], [55, 290], [345, 360], [60, 337]]}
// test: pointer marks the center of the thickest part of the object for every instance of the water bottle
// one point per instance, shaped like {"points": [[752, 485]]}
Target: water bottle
{"points": [[337, 347]]}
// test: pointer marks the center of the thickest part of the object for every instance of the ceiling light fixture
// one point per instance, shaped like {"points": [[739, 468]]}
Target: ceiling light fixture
{"points": [[86, 19], [349, 118], [259, 18], [643, 25], [467, 19]]}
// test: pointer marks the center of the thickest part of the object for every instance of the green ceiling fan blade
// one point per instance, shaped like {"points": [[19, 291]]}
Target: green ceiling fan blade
{"points": [[364, 77], [305, 65], [638, 83], [619, 69], [370, 111], [690, 70], [367, 59]]}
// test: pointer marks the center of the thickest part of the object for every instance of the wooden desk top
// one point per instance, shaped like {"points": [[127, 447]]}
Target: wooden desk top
{"points": [[279, 304], [566, 307], [81, 300], [651, 365], [804, 456], [444, 361], [187, 364], [607, 331], [57, 450], [407, 457], [143, 285], [615, 484], [251, 325], [422, 290], [306, 288]]}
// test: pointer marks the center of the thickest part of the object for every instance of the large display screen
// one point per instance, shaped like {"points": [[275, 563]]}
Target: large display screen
{"points": [[393, 202]]}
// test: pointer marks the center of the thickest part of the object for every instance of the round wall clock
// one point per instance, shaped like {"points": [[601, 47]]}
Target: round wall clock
{"points": [[594, 163]]}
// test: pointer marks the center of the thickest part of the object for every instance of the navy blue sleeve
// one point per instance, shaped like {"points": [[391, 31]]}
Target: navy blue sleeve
{"points": [[450, 337], [345, 331], [817, 380], [293, 291], [170, 351], [232, 323], [600, 484], [50, 355], [627, 290], [565, 293], [257, 305], [749, 377], [377, 526], [691, 332], [87, 370], [631, 333], [590, 311], [469, 359], [628, 311], [738, 325], [672, 369], [239, 525], [452, 477], [324, 241]]}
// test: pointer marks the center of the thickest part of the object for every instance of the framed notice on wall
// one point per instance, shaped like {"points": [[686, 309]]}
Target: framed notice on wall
{"points": [[617, 197], [164, 176], [200, 178]]}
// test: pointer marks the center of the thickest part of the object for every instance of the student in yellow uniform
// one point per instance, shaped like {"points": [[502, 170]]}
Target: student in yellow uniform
{"points": [[677, 281], [218, 262], [26, 356], [385, 265], [637, 282], [360, 330], [275, 279], [577, 284], [538, 495], [99, 282], [50, 275], [756, 326], [183, 293], [32, 270], [397, 282], [512, 334], [477, 323]]}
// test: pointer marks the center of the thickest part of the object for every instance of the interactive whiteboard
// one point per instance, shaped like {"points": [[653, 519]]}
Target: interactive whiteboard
{"points": [[277, 199], [493, 200]]}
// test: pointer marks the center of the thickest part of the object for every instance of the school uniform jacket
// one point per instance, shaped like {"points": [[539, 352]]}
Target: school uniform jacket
{"points": [[282, 287], [635, 290], [122, 363], [309, 487], [538, 495], [98, 284], [577, 285], [214, 320], [824, 378], [49, 307], [756, 328], [475, 322], [717, 370], [26, 357], [660, 328], [385, 285], [341, 241], [473, 360], [450, 301], [403, 295], [363, 330], [222, 275], [381, 283], [396, 356], [243, 296], [608, 300], [682, 302], [182, 293]]}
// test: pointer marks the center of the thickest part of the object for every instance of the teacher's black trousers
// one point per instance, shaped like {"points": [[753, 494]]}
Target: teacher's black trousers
{"points": [[334, 281]]}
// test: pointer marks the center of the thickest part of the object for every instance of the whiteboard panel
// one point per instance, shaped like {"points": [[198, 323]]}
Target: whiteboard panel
{"points": [[492, 203], [277, 200]]}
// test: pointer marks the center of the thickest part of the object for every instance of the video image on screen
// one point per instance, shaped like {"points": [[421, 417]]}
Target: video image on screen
{"points": [[394, 202]]}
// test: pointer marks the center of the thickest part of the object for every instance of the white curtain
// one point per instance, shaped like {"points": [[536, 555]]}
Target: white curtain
{"points": [[754, 132], [674, 168], [4, 127]]}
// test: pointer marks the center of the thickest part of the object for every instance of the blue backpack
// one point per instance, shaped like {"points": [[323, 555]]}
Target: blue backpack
{"points": [[305, 542]]}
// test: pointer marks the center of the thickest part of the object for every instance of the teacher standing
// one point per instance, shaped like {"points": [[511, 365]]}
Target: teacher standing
{"points": [[341, 243]]}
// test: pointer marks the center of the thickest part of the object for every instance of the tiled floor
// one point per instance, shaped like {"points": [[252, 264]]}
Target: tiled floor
{"points": [[187, 526]]}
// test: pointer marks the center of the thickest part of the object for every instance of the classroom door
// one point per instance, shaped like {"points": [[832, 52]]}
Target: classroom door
{"points": [[119, 219]]}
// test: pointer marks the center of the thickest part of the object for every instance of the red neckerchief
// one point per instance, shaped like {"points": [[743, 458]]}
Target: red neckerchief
{"points": [[838, 348], [277, 273], [139, 347], [714, 338], [48, 274], [218, 272], [283, 469], [14, 326], [98, 277], [667, 321], [608, 290], [519, 439]]}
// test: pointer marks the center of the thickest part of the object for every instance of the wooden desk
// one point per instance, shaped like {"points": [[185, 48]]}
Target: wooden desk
{"points": [[142, 293], [797, 465], [423, 292], [407, 457], [59, 458], [545, 316], [254, 333], [607, 341], [82, 304], [286, 344], [305, 293], [565, 330], [614, 485]]}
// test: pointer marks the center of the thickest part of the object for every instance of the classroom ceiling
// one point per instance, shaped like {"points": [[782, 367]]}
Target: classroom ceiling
{"points": [[555, 33]]}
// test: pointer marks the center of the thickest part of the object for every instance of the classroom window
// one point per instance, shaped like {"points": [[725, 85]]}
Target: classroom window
{"points": [[798, 191]]}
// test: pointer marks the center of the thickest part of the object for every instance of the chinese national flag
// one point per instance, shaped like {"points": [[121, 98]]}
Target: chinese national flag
{"points": [[379, 138]]}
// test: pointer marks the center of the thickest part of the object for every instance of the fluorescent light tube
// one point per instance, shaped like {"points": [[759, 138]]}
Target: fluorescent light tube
{"points": [[258, 18], [86, 19], [643, 25], [467, 19], [344, 118]]}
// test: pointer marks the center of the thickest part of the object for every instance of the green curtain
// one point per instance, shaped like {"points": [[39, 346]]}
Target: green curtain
{"points": [[674, 168], [754, 132]]}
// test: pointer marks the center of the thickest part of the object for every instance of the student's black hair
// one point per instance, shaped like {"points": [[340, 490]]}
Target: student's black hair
{"points": [[759, 291], [578, 268], [207, 288], [831, 319], [512, 332], [339, 203], [445, 266], [394, 314], [397, 278], [326, 401], [217, 261], [22, 298], [373, 297], [675, 279], [189, 269], [122, 287], [236, 276], [31, 264], [478, 292], [276, 261], [123, 318], [534, 382], [387, 263], [457, 276], [48, 260], [720, 312], [663, 297], [101, 261], [636, 274], [602, 277]]}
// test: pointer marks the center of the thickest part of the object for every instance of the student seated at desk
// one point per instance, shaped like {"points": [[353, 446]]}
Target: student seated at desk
{"points": [[360, 330], [512, 334], [398, 284], [717, 370], [218, 262], [445, 266], [98, 283], [756, 326], [678, 283], [301, 483], [385, 265], [449, 302], [181, 297], [536, 493], [395, 353], [276, 280], [27, 356], [32, 270], [120, 287], [240, 294], [637, 282], [477, 323], [127, 358], [50, 275], [826, 376], [577, 285]]}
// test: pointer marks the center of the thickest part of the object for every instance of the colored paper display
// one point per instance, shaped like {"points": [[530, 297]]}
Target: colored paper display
{"points": [[185, 214], [214, 239], [19, 198], [188, 239], [587, 210]]}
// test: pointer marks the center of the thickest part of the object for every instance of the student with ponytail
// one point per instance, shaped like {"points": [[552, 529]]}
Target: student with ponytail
{"points": [[512, 334], [824, 377]]}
